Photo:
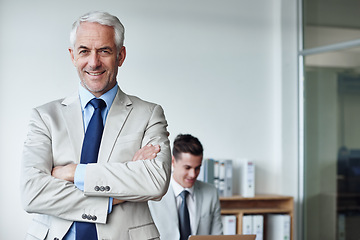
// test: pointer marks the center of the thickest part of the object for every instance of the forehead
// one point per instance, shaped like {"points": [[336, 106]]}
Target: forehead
{"points": [[89, 33], [189, 160]]}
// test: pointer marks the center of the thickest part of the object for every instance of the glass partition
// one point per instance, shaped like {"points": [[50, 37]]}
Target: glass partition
{"points": [[332, 145], [327, 22], [330, 106]]}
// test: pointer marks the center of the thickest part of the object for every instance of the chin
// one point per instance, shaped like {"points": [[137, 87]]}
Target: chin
{"points": [[189, 185], [95, 88]]}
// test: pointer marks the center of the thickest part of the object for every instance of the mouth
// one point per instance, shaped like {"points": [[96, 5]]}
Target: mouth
{"points": [[94, 73]]}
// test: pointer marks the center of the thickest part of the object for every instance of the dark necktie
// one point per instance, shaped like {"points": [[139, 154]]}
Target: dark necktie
{"points": [[184, 219], [89, 154]]}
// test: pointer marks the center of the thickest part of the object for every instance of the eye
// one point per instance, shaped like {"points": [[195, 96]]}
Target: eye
{"points": [[104, 52], [83, 52]]}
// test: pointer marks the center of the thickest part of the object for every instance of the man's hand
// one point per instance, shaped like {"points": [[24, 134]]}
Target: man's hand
{"points": [[66, 172], [147, 152], [117, 201]]}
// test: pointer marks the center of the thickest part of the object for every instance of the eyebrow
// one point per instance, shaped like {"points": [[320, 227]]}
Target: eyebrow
{"points": [[193, 167], [102, 48], [81, 46]]}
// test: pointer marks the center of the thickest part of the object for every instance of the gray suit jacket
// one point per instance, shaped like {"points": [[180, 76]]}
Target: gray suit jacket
{"points": [[208, 216], [55, 138]]}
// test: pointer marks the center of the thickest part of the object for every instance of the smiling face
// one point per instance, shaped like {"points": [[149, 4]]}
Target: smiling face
{"points": [[96, 58], [186, 169]]}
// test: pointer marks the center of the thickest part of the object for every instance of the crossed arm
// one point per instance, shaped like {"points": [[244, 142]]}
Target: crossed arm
{"points": [[67, 172]]}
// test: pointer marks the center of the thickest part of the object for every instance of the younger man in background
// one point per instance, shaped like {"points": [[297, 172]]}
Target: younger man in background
{"points": [[189, 207]]}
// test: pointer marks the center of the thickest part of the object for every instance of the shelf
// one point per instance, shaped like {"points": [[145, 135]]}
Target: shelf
{"points": [[253, 211], [260, 204], [256, 197]]}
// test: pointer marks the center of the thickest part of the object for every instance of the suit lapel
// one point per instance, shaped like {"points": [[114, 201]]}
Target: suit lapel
{"points": [[119, 111], [199, 201], [116, 118], [74, 123], [170, 206]]}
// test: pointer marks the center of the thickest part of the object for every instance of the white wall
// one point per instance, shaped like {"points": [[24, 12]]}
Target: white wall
{"points": [[224, 71]]}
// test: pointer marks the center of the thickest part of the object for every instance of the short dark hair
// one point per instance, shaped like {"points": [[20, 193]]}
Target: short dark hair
{"points": [[186, 143]]}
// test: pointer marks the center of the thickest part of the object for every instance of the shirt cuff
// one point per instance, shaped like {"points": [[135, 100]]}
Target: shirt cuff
{"points": [[110, 204], [79, 176]]}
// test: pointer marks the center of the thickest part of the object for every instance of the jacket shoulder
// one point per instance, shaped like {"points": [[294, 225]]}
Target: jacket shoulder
{"points": [[50, 105], [205, 185], [136, 101]]}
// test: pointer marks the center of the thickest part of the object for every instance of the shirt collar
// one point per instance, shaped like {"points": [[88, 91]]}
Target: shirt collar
{"points": [[86, 96], [177, 188]]}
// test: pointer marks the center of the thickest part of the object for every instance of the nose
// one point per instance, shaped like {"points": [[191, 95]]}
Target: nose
{"points": [[192, 173], [94, 61]]}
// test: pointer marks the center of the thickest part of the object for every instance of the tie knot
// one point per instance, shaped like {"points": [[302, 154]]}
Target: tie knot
{"points": [[184, 194], [98, 103]]}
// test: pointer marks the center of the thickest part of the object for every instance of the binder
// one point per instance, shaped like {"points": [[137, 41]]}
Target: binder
{"points": [[278, 227], [216, 174], [247, 178], [208, 170], [221, 178], [222, 237], [229, 224], [228, 179], [258, 226], [247, 227]]}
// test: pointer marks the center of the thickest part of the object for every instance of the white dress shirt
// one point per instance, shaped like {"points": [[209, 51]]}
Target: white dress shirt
{"points": [[190, 200]]}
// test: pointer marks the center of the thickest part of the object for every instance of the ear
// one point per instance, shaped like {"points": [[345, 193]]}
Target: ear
{"points": [[172, 160], [122, 55], [71, 51]]}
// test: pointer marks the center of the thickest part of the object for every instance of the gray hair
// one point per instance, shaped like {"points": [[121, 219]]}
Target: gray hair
{"points": [[102, 18]]}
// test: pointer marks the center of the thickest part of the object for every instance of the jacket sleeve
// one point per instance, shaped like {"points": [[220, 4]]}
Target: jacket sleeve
{"points": [[44, 194], [128, 180], [217, 227]]}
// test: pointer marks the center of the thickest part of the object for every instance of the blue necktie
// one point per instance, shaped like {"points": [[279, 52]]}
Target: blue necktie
{"points": [[89, 154], [184, 219]]}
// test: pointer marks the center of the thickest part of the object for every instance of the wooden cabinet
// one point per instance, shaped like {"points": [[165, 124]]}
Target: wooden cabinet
{"points": [[260, 204]]}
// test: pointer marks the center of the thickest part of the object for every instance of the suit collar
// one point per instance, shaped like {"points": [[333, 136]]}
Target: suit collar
{"points": [[86, 96], [116, 118]]}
